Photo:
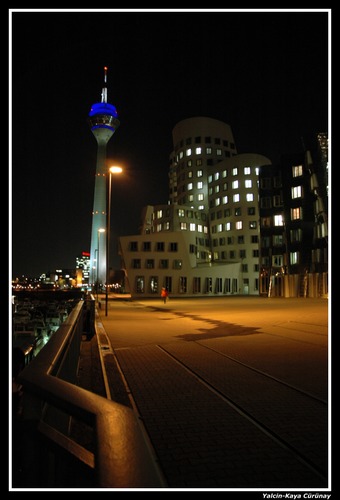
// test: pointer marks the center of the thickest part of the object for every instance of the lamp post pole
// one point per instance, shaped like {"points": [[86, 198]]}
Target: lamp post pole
{"points": [[112, 170], [101, 230], [96, 255]]}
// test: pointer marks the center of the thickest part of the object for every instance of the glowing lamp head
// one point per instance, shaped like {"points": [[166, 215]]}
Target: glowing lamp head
{"points": [[115, 170]]}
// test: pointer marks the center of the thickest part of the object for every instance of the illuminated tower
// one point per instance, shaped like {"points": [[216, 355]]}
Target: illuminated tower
{"points": [[103, 122]]}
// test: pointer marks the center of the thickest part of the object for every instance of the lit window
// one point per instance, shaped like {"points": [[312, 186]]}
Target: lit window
{"points": [[216, 176], [188, 152], [236, 198], [199, 173], [296, 192], [210, 178], [200, 185], [296, 213], [248, 183], [217, 189], [183, 226], [224, 173], [249, 197], [297, 170], [181, 212], [252, 224], [225, 200], [278, 220], [191, 197], [200, 197], [192, 226], [234, 171], [234, 185], [198, 151], [238, 225], [208, 151], [159, 214], [159, 227], [190, 174], [180, 155], [294, 257], [217, 202], [200, 228], [246, 170], [190, 186], [219, 152], [201, 207], [228, 226]]}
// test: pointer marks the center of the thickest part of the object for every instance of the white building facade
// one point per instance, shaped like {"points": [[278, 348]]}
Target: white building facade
{"points": [[205, 240]]}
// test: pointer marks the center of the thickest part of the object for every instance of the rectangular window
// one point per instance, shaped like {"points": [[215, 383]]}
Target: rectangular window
{"points": [[218, 285], [196, 285], [252, 224], [248, 183], [277, 240], [296, 192], [140, 284], [297, 170], [208, 285], [235, 185], [240, 239], [149, 263], [177, 264], [238, 225], [278, 220], [136, 264], [277, 200], [163, 263], [236, 198], [249, 197], [295, 235], [154, 284], [182, 284], [173, 246], [133, 246], [147, 246], [227, 285], [160, 246], [168, 283], [294, 258]]}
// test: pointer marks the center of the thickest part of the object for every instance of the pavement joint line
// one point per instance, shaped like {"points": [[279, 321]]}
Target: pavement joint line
{"points": [[247, 416]]}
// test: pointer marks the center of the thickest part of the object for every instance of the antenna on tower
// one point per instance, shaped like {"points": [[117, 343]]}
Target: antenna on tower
{"points": [[104, 89]]}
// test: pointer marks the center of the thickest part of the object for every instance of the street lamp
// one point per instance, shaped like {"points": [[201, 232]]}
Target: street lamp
{"points": [[100, 230], [112, 170]]}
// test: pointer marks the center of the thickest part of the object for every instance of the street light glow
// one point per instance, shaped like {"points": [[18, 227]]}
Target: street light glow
{"points": [[115, 170]]}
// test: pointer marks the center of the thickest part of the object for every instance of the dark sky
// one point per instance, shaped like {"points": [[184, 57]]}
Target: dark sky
{"points": [[264, 73]]}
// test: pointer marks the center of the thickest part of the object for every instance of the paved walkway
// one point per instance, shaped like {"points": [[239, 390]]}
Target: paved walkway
{"points": [[232, 393]]}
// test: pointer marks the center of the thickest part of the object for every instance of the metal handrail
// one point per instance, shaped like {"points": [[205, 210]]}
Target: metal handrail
{"points": [[122, 456]]}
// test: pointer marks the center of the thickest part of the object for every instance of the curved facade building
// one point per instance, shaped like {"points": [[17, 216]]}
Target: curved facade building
{"points": [[206, 239]]}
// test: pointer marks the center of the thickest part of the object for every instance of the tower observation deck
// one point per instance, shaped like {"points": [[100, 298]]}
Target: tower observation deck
{"points": [[103, 121]]}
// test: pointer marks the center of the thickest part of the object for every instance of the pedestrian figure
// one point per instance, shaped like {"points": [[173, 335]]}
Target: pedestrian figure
{"points": [[164, 294]]}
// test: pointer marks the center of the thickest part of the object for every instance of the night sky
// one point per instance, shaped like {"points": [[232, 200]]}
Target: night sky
{"points": [[266, 74]]}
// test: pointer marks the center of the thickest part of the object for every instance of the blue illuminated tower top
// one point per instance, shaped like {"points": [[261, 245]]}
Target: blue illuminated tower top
{"points": [[103, 115]]}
